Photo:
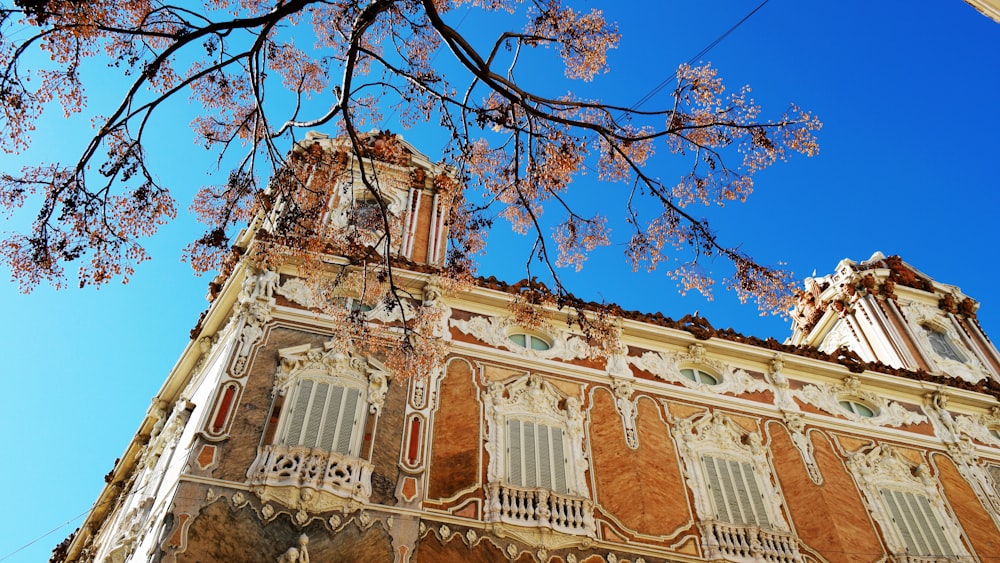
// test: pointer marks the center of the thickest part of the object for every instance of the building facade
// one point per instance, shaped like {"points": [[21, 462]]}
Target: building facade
{"points": [[872, 434]]}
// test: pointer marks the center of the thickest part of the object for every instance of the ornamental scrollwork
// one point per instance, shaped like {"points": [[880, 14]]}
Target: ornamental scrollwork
{"points": [[715, 434], [531, 397], [827, 397], [667, 366], [331, 361], [495, 330]]}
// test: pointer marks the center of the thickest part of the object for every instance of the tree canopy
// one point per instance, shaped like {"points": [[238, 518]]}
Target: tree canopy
{"points": [[262, 72]]}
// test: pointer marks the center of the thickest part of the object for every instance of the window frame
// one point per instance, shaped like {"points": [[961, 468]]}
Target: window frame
{"points": [[308, 421], [883, 469], [532, 399]]}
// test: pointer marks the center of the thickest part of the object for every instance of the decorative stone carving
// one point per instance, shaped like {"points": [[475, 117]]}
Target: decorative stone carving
{"points": [[715, 435], [298, 554], [258, 285], [626, 409], [667, 366], [923, 318], [796, 428], [978, 426], [494, 331], [827, 397], [782, 395], [391, 311], [310, 479], [297, 291], [250, 323], [882, 468], [840, 336], [304, 359]]}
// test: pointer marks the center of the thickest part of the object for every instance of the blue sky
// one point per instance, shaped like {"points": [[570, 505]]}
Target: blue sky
{"points": [[907, 166]]}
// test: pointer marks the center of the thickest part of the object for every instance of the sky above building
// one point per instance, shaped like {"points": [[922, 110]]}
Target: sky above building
{"points": [[907, 166]]}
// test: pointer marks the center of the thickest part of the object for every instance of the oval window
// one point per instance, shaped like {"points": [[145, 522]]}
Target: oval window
{"points": [[529, 341], [699, 376], [858, 408], [995, 432]]}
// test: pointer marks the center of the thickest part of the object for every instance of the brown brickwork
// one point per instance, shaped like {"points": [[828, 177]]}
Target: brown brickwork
{"points": [[830, 518], [975, 520], [421, 234], [454, 463], [642, 488]]}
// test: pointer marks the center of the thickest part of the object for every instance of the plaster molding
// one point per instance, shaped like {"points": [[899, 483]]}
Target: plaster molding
{"points": [[797, 430], [297, 291], [884, 468], [716, 435], [827, 397], [626, 409], [667, 366], [494, 331], [306, 359], [977, 426], [920, 316], [532, 398]]}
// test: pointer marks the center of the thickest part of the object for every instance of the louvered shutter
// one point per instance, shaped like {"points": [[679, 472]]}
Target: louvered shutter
{"points": [[300, 405], [349, 421], [917, 524], [530, 454], [514, 452], [559, 458], [331, 422], [935, 529], [716, 487], [314, 420], [323, 415]]}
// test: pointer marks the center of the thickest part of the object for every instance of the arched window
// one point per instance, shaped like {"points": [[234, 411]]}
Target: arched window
{"points": [[529, 341], [857, 407], [699, 376]]}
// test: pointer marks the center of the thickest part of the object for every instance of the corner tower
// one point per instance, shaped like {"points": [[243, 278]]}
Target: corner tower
{"points": [[885, 310]]}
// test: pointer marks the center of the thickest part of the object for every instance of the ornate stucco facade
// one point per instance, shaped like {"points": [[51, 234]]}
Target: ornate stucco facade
{"points": [[872, 434]]}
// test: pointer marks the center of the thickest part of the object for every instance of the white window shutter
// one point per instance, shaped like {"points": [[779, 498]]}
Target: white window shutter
{"points": [[559, 457], [317, 407], [514, 452], [349, 421], [530, 455], [332, 420], [300, 406]]}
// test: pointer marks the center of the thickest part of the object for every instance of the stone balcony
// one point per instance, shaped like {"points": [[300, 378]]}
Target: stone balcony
{"points": [[539, 508], [310, 479], [746, 544]]}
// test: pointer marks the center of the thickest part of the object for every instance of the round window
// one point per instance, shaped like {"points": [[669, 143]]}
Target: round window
{"points": [[858, 408], [699, 376], [529, 341]]}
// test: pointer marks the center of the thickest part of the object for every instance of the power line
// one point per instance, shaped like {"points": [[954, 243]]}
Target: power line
{"points": [[656, 89]]}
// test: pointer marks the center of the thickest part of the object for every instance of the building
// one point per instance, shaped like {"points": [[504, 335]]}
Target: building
{"points": [[873, 434]]}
